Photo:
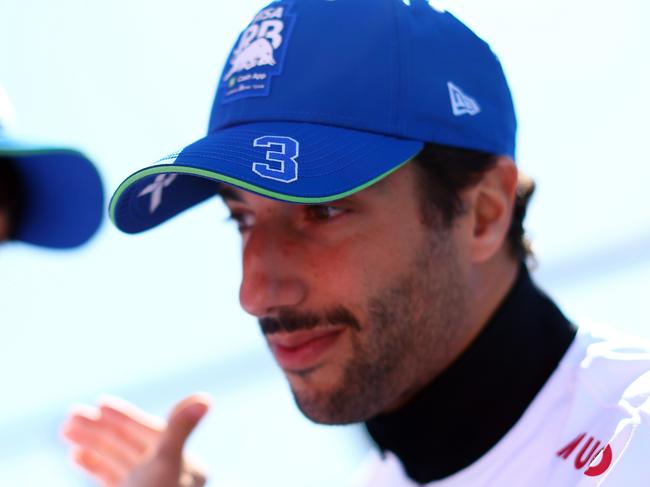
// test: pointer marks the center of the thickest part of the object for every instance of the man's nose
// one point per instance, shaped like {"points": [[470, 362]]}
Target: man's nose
{"points": [[271, 273]]}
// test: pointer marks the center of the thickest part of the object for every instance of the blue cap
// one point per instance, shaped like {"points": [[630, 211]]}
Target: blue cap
{"points": [[322, 98], [62, 196]]}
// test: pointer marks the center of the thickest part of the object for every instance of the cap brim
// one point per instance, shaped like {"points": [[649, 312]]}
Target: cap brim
{"points": [[63, 195], [292, 162]]}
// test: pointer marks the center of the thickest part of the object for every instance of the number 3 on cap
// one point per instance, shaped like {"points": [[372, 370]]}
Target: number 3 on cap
{"points": [[282, 165]]}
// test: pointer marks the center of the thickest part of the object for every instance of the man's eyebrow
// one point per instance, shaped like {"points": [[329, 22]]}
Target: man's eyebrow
{"points": [[228, 193]]}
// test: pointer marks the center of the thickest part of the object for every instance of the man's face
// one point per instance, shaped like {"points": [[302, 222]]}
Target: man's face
{"points": [[360, 301]]}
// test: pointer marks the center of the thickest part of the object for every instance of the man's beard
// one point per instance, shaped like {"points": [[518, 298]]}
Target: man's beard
{"points": [[403, 345]]}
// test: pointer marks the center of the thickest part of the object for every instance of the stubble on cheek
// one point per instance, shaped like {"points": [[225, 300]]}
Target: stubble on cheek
{"points": [[403, 344], [356, 388]]}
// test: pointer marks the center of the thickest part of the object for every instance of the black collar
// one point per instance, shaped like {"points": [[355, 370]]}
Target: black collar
{"points": [[465, 411]]}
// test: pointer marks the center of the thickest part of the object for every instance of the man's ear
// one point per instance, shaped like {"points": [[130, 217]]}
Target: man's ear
{"points": [[490, 206]]}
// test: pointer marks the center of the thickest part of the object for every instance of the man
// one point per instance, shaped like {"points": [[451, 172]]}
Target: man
{"points": [[372, 178], [50, 197]]}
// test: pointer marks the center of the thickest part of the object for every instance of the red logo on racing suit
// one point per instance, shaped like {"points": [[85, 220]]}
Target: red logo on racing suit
{"points": [[598, 461]]}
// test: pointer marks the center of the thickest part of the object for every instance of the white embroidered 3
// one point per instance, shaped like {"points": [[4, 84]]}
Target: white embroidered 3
{"points": [[282, 164]]}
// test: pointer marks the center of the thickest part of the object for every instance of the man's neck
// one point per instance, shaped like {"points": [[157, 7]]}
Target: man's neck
{"points": [[466, 410], [489, 286]]}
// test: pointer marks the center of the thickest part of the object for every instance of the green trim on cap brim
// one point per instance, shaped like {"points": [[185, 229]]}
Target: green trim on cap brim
{"points": [[192, 171]]}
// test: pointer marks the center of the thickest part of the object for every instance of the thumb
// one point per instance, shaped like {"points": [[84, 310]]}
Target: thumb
{"points": [[182, 421]]}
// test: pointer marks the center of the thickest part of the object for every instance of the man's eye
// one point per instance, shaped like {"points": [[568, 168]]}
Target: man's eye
{"points": [[323, 212], [244, 220]]}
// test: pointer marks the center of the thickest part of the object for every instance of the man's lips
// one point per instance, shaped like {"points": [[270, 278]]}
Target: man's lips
{"points": [[301, 350]]}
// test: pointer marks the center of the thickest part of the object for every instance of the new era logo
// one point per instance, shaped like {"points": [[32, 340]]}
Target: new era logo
{"points": [[462, 104]]}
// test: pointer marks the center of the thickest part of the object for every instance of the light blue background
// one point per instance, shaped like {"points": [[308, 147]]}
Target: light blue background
{"points": [[155, 316]]}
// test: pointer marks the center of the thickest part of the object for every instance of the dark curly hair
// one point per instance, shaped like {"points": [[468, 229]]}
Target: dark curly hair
{"points": [[447, 171]]}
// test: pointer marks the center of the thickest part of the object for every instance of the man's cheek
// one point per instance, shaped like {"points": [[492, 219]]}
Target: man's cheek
{"points": [[332, 265]]}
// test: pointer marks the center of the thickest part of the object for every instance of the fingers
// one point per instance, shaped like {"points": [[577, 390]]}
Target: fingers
{"points": [[194, 475], [102, 439], [134, 432], [102, 468], [119, 444], [129, 414], [182, 421], [190, 480], [117, 431]]}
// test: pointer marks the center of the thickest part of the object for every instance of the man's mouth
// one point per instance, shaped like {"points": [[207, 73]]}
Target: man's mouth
{"points": [[301, 350]]}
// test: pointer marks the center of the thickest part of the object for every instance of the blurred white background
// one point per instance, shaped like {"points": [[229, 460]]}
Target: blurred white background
{"points": [[155, 316]]}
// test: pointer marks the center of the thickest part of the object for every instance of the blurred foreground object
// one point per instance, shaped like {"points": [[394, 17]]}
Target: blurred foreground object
{"points": [[49, 196]]}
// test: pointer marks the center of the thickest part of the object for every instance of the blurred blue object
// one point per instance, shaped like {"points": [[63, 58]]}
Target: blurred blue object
{"points": [[62, 197]]}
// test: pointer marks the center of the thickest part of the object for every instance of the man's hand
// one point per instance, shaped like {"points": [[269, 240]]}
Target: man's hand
{"points": [[122, 446]]}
